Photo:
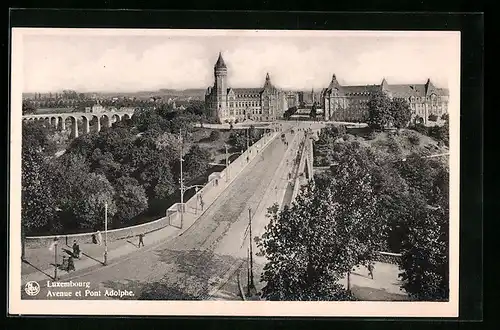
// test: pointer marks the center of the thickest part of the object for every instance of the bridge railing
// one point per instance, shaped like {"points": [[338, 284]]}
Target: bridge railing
{"points": [[214, 187]]}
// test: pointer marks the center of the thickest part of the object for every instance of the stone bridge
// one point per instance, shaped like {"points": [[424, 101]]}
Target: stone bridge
{"points": [[59, 120]]}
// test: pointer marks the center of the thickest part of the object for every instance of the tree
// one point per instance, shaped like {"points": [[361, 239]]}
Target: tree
{"points": [[331, 228], [196, 108], [214, 135], [35, 136], [424, 261], [400, 112], [87, 202], [237, 140], [196, 161], [130, 199], [379, 111], [441, 133], [28, 108], [299, 247], [37, 200]]}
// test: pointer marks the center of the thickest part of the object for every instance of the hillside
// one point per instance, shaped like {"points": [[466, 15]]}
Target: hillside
{"points": [[385, 144]]}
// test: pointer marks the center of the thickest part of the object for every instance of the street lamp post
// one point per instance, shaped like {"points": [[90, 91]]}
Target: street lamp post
{"points": [[105, 233]]}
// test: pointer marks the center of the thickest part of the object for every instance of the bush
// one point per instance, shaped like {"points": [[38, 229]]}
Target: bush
{"points": [[414, 139], [214, 135], [421, 129], [433, 117]]}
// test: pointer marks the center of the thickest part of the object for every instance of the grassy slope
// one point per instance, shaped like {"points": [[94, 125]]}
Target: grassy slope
{"points": [[385, 141]]}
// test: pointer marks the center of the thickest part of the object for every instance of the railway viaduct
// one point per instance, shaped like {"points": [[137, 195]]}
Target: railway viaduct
{"points": [[59, 120]]}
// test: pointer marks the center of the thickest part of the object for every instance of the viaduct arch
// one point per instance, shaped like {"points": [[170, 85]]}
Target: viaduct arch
{"points": [[99, 120]]}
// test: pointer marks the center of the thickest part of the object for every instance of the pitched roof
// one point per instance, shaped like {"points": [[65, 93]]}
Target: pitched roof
{"points": [[407, 90], [419, 90]]}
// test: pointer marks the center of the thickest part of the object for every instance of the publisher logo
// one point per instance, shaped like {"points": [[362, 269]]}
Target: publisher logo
{"points": [[32, 288]]}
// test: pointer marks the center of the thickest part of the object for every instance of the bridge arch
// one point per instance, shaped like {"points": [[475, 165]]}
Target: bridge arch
{"points": [[106, 120], [116, 118], [95, 121], [74, 126], [85, 124]]}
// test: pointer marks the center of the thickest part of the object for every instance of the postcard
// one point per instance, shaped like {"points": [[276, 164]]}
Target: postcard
{"points": [[234, 172]]}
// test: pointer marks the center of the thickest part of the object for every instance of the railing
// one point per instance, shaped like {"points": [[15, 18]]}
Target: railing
{"points": [[388, 257]]}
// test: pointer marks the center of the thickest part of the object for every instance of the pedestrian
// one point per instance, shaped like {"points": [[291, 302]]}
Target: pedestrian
{"points": [[53, 244], [370, 269], [71, 264], [64, 264], [216, 182], [202, 203], [76, 250], [94, 239], [99, 237], [289, 175], [141, 239]]}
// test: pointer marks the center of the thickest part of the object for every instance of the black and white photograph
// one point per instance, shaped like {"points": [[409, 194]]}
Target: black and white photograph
{"points": [[235, 172]]}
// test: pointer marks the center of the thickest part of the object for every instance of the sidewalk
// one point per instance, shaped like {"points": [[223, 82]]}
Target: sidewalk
{"points": [[41, 266]]}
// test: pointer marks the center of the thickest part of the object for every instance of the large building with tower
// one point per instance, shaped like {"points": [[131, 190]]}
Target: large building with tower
{"points": [[226, 104], [350, 103]]}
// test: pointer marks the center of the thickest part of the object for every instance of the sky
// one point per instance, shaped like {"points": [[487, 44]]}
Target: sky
{"points": [[125, 61]]}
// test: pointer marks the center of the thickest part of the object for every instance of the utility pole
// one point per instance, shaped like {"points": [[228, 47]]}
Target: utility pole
{"points": [[248, 271], [181, 180], [251, 285], [105, 233]]}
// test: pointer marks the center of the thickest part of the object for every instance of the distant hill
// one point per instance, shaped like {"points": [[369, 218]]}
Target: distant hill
{"points": [[194, 93]]}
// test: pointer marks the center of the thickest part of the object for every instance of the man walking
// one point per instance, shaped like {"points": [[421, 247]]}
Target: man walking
{"points": [[202, 203], [99, 237], [76, 250], [370, 269], [141, 239], [71, 264]]}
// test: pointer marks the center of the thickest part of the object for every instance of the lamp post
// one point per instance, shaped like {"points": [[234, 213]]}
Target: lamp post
{"points": [[184, 189], [105, 233]]}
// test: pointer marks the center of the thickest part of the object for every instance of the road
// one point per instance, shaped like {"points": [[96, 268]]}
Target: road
{"points": [[193, 265]]}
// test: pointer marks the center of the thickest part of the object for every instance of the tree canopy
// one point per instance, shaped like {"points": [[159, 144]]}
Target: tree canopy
{"points": [[384, 112], [131, 166], [328, 230], [369, 200]]}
